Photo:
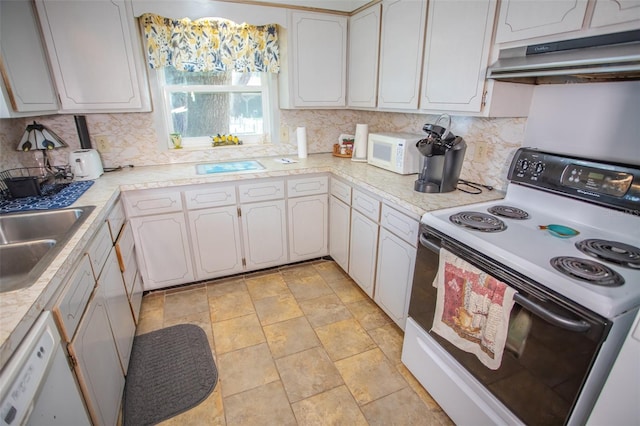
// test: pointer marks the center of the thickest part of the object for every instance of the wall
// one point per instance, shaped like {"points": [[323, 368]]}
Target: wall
{"points": [[134, 141]]}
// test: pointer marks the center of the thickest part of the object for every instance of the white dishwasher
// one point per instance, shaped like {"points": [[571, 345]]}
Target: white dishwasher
{"points": [[37, 386]]}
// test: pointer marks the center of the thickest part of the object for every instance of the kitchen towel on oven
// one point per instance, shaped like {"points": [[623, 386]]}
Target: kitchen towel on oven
{"points": [[472, 309]]}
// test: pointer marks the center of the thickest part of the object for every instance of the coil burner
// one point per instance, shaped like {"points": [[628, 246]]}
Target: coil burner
{"points": [[611, 251], [509, 212], [587, 270], [479, 221]]}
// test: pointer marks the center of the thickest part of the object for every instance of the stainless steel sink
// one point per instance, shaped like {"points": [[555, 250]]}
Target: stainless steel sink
{"points": [[29, 241]]}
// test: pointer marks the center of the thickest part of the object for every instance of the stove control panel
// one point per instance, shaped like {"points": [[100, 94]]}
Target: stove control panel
{"points": [[610, 184]]}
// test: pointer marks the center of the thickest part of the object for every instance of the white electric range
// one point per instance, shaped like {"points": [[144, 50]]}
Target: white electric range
{"points": [[566, 237]]}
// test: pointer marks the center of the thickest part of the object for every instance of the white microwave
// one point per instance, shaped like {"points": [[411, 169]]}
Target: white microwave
{"points": [[396, 152]]}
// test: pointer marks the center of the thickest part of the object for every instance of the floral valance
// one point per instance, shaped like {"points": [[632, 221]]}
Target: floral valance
{"points": [[210, 45]]}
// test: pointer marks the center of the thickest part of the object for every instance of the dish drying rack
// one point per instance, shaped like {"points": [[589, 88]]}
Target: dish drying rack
{"points": [[33, 181]]}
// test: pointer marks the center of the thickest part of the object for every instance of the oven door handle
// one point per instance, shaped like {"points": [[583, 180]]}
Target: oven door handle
{"points": [[578, 326]]}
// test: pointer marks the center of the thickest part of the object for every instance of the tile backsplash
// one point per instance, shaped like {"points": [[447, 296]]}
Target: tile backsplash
{"points": [[133, 139]]}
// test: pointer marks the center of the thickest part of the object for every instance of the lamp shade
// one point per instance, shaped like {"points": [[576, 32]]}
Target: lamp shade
{"points": [[37, 136]]}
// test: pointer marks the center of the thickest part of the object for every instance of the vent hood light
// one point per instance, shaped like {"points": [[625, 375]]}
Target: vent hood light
{"points": [[600, 58]]}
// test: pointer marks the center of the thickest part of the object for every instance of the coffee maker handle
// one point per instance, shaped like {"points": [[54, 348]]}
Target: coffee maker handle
{"points": [[447, 128]]}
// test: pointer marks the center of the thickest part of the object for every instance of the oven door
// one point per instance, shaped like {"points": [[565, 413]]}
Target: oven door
{"points": [[551, 347]]}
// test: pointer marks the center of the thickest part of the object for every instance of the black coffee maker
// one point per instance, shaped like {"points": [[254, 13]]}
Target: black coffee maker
{"points": [[443, 156]]}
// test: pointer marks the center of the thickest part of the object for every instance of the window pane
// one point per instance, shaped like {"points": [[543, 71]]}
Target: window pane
{"points": [[173, 76], [195, 114], [246, 113]]}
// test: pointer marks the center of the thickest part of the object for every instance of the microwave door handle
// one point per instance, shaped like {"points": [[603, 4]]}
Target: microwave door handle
{"points": [[578, 326]]}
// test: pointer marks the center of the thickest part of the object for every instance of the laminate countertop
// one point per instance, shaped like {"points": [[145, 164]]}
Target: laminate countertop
{"points": [[20, 308]]}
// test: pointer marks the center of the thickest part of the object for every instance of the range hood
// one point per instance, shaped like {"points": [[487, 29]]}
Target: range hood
{"points": [[610, 57]]}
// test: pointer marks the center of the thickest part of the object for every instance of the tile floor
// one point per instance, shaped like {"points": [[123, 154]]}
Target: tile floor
{"points": [[296, 345]]}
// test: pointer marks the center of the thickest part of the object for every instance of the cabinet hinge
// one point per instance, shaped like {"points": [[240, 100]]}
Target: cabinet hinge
{"points": [[244, 262], [73, 361], [484, 98], [239, 212]]}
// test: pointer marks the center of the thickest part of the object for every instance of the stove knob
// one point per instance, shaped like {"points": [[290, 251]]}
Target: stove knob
{"points": [[538, 168], [523, 165]]}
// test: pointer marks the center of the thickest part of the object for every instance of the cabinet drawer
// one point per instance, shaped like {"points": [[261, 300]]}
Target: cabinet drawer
{"points": [[99, 249], [307, 186], [210, 196], [261, 191], [341, 191], [115, 220], [400, 224], [124, 247], [74, 298], [151, 201], [365, 204]]}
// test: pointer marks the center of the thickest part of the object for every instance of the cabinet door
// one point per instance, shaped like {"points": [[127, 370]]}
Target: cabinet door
{"points": [[162, 249], [121, 320], [363, 251], [403, 24], [456, 54], [339, 226], [524, 19], [217, 246], [93, 49], [308, 221], [319, 55], [364, 42], [97, 364], [264, 229], [23, 63], [135, 298], [611, 12], [396, 262]]}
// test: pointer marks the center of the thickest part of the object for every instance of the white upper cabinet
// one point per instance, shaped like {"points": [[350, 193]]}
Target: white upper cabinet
{"points": [[524, 19], [28, 87], [456, 54], [611, 12], [364, 43], [95, 54], [401, 46], [544, 21], [317, 55]]}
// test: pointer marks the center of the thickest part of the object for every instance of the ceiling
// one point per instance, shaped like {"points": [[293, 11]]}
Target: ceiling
{"points": [[337, 5]]}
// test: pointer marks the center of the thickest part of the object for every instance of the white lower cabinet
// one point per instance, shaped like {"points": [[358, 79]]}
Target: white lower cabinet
{"points": [[95, 318], [163, 250], [97, 364], [264, 227], [397, 250], [396, 261], [308, 222], [216, 241], [123, 326], [363, 251], [339, 231]]}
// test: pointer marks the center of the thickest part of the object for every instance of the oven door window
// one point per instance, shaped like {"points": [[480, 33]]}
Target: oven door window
{"points": [[543, 366]]}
